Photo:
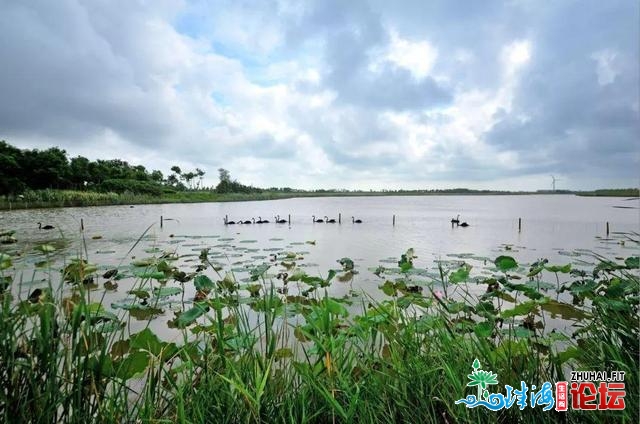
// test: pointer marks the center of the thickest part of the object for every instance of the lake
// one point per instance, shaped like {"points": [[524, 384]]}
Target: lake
{"points": [[562, 228]]}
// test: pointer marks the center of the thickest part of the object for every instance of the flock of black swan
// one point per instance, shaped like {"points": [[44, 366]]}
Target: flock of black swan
{"points": [[279, 220], [454, 221]]}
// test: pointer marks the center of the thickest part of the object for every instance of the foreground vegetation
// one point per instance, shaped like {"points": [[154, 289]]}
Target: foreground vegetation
{"points": [[277, 348]]}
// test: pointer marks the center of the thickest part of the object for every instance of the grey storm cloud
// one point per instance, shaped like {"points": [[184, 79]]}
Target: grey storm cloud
{"points": [[65, 79], [351, 33]]}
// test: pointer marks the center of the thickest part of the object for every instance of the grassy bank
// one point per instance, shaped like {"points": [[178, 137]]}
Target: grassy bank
{"points": [[280, 349], [69, 198], [619, 192]]}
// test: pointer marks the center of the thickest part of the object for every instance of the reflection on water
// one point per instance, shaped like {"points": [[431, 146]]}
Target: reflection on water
{"points": [[562, 228]]}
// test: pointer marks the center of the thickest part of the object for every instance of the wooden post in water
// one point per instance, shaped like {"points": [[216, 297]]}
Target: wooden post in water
{"points": [[161, 221], [394, 220], [519, 224], [226, 219], [289, 219], [81, 224], [607, 228], [339, 218]]}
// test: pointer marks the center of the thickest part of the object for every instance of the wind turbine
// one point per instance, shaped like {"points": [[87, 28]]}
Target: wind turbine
{"points": [[553, 182]]}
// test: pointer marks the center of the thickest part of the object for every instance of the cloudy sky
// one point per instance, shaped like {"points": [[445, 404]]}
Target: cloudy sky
{"points": [[353, 94]]}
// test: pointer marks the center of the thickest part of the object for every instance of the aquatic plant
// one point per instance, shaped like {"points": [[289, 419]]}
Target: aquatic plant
{"points": [[266, 342]]}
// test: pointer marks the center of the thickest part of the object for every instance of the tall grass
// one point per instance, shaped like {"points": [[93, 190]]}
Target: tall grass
{"points": [[314, 359]]}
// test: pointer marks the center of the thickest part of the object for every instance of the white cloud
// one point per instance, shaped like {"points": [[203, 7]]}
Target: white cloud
{"points": [[515, 55], [418, 57], [605, 66]]}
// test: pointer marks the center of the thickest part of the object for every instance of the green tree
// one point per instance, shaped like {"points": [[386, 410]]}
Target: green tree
{"points": [[47, 168], [188, 178], [225, 176], [226, 185], [200, 174], [79, 172], [156, 176], [140, 173], [11, 173]]}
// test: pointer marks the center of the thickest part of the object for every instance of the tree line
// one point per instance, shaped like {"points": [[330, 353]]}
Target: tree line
{"points": [[33, 169], [23, 169]]}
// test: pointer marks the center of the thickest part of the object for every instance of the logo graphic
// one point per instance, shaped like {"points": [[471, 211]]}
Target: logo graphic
{"points": [[481, 379], [607, 394]]}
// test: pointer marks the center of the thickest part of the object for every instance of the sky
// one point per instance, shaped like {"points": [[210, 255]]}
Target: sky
{"points": [[416, 94]]}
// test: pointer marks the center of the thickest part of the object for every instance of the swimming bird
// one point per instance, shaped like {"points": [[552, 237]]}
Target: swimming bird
{"points": [[280, 221], [331, 221], [464, 224], [455, 220], [246, 222], [262, 221], [35, 296], [45, 227], [228, 222], [356, 221], [111, 273], [317, 220]]}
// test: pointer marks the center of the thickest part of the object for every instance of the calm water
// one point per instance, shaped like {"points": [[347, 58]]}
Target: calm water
{"points": [[553, 226]]}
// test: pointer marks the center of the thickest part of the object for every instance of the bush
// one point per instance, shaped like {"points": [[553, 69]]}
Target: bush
{"points": [[132, 186]]}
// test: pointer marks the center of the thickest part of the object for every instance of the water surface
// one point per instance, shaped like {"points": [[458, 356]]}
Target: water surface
{"points": [[562, 228]]}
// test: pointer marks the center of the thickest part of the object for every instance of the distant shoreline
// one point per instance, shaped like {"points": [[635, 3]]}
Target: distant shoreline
{"points": [[68, 198]]}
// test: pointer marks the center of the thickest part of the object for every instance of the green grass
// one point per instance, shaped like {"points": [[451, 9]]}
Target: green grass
{"points": [[70, 198], [614, 192], [252, 354]]}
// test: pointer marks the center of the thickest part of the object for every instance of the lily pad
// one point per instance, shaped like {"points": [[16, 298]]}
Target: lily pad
{"points": [[188, 317], [203, 283], [45, 248], [505, 263], [5, 261], [166, 291], [460, 275], [144, 262]]}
